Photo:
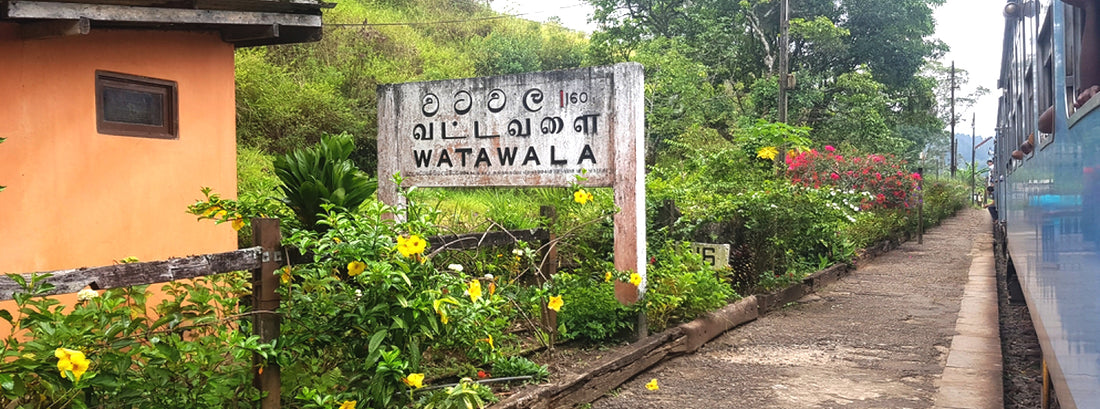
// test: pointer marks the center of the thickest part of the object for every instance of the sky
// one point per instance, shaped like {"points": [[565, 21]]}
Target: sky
{"points": [[973, 30]]}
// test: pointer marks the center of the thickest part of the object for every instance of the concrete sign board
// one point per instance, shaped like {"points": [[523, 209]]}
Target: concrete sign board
{"points": [[534, 129], [716, 255]]}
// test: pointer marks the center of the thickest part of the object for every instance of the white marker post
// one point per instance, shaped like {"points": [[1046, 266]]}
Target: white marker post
{"points": [[535, 129]]}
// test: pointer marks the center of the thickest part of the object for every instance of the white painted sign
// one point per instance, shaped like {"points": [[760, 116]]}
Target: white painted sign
{"points": [[716, 255], [520, 130], [534, 129]]}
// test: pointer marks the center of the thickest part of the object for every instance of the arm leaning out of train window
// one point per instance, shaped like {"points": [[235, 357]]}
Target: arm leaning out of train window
{"points": [[1089, 68]]}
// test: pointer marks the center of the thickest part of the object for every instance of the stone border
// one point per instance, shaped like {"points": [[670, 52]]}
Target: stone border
{"points": [[627, 362], [972, 376]]}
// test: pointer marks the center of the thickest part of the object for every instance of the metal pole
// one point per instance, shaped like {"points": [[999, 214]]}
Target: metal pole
{"points": [[920, 206], [954, 143], [973, 165], [784, 40]]}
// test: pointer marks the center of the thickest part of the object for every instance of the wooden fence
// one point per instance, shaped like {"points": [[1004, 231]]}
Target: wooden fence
{"points": [[262, 259]]}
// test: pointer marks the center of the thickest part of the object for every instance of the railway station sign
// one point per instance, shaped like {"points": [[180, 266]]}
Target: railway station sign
{"points": [[524, 130]]}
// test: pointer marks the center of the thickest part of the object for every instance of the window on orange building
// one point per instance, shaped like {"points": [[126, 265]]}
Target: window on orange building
{"points": [[131, 105]]}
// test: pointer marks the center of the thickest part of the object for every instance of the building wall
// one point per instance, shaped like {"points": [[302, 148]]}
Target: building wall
{"points": [[77, 198]]}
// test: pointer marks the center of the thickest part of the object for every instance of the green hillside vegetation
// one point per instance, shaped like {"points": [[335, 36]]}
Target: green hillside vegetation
{"points": [[865, 71], [288, 96]]}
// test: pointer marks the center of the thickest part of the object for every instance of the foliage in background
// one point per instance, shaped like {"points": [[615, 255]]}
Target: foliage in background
{"points": [[288, 96], [859, 65]]}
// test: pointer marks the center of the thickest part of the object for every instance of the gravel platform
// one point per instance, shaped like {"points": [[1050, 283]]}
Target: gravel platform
{"points": [[878, 338]]}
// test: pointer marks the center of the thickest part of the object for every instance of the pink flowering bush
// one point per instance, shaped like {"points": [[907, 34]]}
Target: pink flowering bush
{"points": [[882, 179]]}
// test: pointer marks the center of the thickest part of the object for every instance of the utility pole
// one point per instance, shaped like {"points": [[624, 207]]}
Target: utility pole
{"points": [[784, 40], [954, 143], [973, 165]]}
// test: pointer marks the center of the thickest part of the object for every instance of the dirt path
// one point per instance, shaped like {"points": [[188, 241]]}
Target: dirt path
{"points": [[876, 339]]}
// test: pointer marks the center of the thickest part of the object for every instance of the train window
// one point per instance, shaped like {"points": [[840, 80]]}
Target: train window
{"points": [[1045, 60], [1080, 63]]}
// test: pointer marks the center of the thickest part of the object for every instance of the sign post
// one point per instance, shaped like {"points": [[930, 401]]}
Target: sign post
{"points": [[534, 129]]}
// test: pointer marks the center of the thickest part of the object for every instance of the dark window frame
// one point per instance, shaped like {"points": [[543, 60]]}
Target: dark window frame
{"points": [[166, 90]]}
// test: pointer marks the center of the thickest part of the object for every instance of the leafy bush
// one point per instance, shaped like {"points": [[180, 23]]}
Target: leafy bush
{"points": [[882, 176], [681, 287], [466, 395], [359, 318], [189, 350], [321, 175], [942, 198], [591, 312], [519, 366]]}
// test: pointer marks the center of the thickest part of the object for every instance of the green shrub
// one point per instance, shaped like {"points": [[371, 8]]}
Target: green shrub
{"points": [[321, 175], [466, 395], [680, 287], [188, 351], [519, 366], [591, 311], [942, 198]]}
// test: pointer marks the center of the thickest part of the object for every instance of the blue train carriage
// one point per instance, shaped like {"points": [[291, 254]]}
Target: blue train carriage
{"points": [[1047, 188]]}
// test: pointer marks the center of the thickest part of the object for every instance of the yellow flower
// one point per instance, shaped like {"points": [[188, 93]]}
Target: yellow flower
{"points": [[411, 245], [474, 290], [355, 268], [767, 152], [415, 380], [348, 404], [489, 340], [69, 360], [652, 385], [338, 241], [210, 211], [607, 277], [220, 214], [285, 277], [555, 303], [635, 279], [582, 196], [438, 306], [238, 223]]}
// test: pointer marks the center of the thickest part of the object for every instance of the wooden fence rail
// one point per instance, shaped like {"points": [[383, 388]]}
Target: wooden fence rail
{"points": [[262, 260], [154, 272], [124, 275]]}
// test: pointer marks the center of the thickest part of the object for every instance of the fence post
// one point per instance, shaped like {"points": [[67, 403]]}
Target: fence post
{"points": [[547, 270], [265, 322], [920, 206]]}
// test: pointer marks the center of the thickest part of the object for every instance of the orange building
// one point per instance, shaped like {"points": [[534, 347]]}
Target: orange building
{"points": [[115, 116]]}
